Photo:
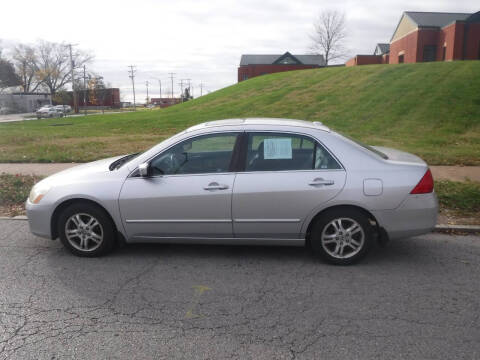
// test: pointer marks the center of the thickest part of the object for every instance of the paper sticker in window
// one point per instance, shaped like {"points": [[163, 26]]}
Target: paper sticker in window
{"points": [[277, 148]]}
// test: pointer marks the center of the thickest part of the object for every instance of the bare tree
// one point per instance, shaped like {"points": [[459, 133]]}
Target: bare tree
{"points": [[329, 35], [26, 65], [54, 64]]}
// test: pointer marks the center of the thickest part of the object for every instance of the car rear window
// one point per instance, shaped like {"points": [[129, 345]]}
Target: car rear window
{"points": [[365, 146]]}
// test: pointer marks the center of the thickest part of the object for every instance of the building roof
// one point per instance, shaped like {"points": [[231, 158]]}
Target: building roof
{"points": [[255, 59], [383, 47], [435, 19]]}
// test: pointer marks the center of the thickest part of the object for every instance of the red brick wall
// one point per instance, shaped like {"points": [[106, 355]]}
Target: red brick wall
{"points": [[365, 60], [257, 70], [408, 44], [473, 42], [426, 37]]}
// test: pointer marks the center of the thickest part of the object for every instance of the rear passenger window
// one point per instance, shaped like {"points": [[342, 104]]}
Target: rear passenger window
{"points": [[277, 152]]}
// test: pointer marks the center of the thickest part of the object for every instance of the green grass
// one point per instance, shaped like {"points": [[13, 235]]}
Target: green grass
{"points": [[430, 109], [14, 190], [461, 197]]}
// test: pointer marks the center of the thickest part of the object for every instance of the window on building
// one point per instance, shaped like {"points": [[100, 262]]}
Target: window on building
{"points": [[429, 53], [444, 53], [401, 59], [245, 77]]}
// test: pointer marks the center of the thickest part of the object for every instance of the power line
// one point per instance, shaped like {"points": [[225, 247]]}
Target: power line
{"points": [[131, 75]]}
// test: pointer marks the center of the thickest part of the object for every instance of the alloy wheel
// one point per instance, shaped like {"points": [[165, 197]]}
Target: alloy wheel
{"points": [[84, 232], [343, 238]]}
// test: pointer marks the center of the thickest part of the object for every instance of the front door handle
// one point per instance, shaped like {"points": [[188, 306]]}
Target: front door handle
{"points": [[321, 181], [215, 186]]}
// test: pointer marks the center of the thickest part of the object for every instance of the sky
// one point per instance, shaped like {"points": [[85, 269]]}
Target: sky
{"points": [[201, 40]]}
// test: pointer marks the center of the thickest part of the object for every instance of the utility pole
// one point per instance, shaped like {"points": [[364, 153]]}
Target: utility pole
{"points": [[201, 89], [85, 90], [146, 83], [181, 89], [160, 87], [72, 67], [171, 78], [131, 75]]}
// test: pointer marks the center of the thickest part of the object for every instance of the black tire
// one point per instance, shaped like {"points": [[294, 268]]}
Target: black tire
{"points": [[106, 227], [343, 239]]}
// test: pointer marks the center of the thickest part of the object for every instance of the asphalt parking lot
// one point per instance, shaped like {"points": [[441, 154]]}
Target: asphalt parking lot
{"points": [[418, 298]]}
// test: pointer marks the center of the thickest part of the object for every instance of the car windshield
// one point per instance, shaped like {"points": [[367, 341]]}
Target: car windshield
{"points": [[365, 146], [117, 164]]}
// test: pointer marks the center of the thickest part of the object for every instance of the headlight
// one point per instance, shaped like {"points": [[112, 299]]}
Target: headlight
{"points": [[38, 192]]}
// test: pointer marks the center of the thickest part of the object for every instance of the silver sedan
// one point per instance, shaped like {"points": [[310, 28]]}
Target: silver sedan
{"points": [[241, 181]]}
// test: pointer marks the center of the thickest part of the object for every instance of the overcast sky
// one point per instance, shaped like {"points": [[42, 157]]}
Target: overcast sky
{"points": [[200, 40]]}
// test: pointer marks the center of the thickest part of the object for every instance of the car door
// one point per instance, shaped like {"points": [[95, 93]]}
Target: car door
{"points": [[286, 176], [187, 194]]}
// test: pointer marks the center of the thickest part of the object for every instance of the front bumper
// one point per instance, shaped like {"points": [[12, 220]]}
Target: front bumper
{"points": [[39, 219], [415, 216]]}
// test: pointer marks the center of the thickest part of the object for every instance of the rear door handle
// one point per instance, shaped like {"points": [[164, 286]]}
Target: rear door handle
{"points": [[215, 186], [321, 181]]}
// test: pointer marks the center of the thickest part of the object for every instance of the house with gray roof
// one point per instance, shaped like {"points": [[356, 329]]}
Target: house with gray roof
{"points": [[428, 36], [435, 36], [252, 65]]}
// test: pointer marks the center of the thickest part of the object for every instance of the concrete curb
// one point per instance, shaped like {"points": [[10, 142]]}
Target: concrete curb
{"points": [[462, 228], [19, 217], [438, 228]]}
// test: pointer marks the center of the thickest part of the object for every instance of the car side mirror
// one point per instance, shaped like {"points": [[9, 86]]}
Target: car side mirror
{"points": [[143, 169]]}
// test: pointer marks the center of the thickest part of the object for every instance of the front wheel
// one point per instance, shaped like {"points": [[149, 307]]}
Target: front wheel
{"points": [[342, 236], [86, 230]]}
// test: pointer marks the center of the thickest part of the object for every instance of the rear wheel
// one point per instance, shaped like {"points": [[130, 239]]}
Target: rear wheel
{"points": [[342, 236], [86, 230]]}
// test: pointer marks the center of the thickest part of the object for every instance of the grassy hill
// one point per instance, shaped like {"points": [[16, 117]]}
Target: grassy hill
{"points": [[431, 109]]}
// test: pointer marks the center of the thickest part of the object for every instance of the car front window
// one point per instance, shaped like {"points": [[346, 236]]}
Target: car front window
{"points": [[202, 154]]}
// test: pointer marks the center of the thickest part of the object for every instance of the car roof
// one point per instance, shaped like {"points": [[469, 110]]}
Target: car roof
{"points": [[260, 121]]}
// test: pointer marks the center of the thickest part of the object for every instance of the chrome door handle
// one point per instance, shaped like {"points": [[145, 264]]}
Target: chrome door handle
{"points": [[215, 186], [321, 181]]}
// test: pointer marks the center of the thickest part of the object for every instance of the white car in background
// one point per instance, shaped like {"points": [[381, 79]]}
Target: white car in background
{"points": [[48, 111], [63, 108]]}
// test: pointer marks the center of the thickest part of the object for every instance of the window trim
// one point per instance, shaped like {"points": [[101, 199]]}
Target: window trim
{"points": [[311, 137]]}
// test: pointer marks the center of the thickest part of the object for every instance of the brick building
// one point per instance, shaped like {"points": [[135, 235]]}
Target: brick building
{"points": [[430, 36], [256, 65], [380, 56], [109, 98], [424, 36]]}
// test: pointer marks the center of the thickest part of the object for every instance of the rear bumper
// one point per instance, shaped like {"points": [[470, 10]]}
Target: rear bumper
{"points": [[39, 219], [415, 216]]}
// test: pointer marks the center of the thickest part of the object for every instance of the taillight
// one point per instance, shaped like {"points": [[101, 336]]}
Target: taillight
{"points": [[425, 185]]}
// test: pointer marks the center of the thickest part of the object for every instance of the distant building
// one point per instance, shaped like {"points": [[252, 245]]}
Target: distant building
{"points": [[380, 56], [165, 102], [24, 103], [99, 98], [256, 65], [428, 36]]}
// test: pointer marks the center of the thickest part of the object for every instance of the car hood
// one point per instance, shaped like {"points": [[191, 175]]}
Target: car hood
{"points": [[81, 172]]}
